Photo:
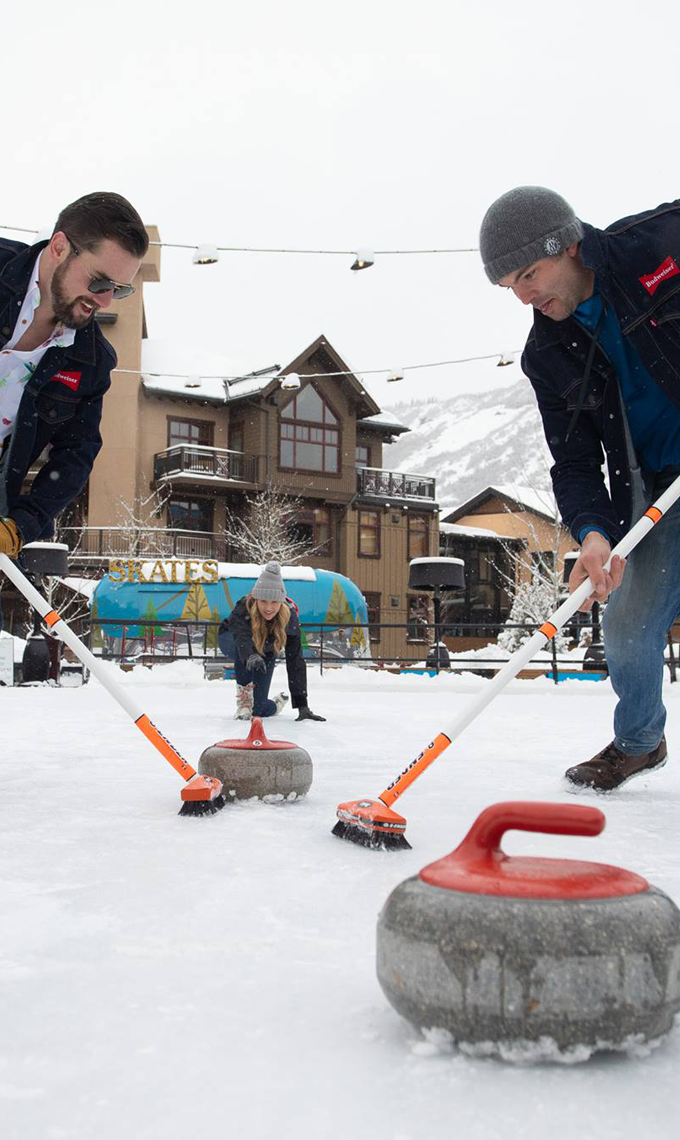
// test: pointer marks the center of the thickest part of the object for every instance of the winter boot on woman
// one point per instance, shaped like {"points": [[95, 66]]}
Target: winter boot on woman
{"points": [[244, 702], [280, 700]]}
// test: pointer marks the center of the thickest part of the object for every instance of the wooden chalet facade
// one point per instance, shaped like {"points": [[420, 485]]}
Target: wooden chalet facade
{"points": [[181, 452], [498, 533]]}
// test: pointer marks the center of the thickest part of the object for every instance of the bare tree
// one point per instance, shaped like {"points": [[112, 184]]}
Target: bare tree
{"points": [[270, 528], [136, 534], [536, 598]]}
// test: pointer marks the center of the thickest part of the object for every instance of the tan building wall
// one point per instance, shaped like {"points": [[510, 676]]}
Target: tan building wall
{"points": [[388, 575], [537, 531], [118, 475]]}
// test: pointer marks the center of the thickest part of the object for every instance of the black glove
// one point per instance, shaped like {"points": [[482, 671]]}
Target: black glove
{"points": [[255, 663], [305, 713]]}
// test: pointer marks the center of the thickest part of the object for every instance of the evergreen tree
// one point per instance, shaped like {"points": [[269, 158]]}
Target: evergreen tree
{"points": [[211, 635], [339, 611]]}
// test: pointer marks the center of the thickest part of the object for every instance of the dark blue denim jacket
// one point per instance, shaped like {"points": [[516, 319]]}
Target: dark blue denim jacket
{"points": [[63, 413], [637, 270]]}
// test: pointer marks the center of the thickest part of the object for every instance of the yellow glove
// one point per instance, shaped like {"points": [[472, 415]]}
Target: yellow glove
{"points": [[11, 541]]}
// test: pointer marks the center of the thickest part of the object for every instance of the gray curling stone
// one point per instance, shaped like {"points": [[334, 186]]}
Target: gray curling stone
{"points": [[516, 954], [271, 770]]}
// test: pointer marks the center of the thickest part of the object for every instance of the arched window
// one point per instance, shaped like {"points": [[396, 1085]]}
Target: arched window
{"points": [[309, 434]]}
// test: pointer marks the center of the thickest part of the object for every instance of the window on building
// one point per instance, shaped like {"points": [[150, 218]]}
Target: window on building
{"points": [[418, 545], [487, 597], [322, 530], [190, 432], [190, 514], [418, 616], [362, 456], [543, 560], [236, 436], [309, 437], [373, 607], [313, 527], [368, 544]]}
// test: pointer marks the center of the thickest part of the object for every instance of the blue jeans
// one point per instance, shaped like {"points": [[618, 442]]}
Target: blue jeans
{"points": [[262, 706], [635, 624]]}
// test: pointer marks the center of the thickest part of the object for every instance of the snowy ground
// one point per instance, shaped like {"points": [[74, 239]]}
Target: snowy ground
{"points": [[164, 978]]}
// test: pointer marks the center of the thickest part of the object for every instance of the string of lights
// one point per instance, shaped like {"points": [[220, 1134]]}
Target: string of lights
{"points": [[392, 374], [205, 254]]}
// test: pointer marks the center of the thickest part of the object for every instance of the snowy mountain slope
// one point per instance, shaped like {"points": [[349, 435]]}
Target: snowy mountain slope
{"points": [[472, 440]]}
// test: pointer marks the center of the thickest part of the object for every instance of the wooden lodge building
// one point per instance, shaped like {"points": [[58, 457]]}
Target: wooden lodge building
{"points": [[181, 452]]}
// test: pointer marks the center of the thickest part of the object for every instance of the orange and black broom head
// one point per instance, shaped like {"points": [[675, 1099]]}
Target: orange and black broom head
{"points": [[370, 823], [202, 795]]}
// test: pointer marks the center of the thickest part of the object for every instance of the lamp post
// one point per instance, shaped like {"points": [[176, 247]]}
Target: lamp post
{"points": [[40, 560], [594, 659], [438, 575]]}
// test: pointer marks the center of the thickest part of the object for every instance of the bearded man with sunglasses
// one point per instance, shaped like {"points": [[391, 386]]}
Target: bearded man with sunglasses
{"points": [[55, 364]]}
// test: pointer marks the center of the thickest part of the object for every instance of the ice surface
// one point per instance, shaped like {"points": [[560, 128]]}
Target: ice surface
{"points": [[170, 978]]}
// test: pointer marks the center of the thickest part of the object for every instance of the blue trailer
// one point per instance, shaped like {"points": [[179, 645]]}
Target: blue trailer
{"points": [[192, 592]]}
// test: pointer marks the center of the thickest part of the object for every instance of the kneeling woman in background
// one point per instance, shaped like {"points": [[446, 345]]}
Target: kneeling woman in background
{"points": [[259, 627]]}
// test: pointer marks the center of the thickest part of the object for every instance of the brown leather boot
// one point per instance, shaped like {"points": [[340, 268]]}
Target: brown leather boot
{"points": [[611, 768]]}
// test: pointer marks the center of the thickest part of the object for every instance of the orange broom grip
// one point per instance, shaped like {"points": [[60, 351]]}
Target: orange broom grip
{"points": [[421, 762], [164, 747]]}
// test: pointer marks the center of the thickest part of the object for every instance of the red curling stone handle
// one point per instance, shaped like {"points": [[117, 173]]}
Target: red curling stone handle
{"points": [[520, 815]]}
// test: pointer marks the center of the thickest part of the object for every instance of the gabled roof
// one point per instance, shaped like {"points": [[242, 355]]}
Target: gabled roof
{"points": [[331, 361], [524, 498], [246, 383]]}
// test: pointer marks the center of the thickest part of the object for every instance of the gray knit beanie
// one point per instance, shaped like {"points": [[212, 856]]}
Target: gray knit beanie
{"points": [[523, 226], [269, 586]]}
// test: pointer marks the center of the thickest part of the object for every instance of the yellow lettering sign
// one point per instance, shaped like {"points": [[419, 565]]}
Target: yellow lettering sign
{"points": [[211, 571], [158, 569]]}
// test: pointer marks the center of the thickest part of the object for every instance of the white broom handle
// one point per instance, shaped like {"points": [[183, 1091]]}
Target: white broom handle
{"points": [[564, 612], [524, 654], [66, 634]]}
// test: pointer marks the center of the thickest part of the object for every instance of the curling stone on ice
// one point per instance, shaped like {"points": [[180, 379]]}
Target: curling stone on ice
{"points": [[271, 770], [507, 952]]}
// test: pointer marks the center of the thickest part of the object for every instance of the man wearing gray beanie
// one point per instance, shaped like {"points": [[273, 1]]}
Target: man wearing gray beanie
{"points": [[603, 357]]}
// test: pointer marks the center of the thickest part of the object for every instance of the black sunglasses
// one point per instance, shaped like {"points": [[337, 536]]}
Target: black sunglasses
{"points": [[104, 284]]}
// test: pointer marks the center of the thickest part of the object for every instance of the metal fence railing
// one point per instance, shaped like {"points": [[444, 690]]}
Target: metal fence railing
{"points": [[150, 642]]}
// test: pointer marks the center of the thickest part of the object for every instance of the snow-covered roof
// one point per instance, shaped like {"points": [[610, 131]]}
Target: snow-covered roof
{"points": [[46, 546], [253, 570], [532, 499], [438, 560], [470, 531], [383, 420], [206, 375], [84, 586]]}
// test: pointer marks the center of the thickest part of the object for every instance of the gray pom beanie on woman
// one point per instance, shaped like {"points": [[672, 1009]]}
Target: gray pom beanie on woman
{"points": [[523, 226], [269, 586]]}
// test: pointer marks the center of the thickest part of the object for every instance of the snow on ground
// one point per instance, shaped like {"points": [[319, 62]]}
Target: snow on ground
{"points": [[163, 978]]}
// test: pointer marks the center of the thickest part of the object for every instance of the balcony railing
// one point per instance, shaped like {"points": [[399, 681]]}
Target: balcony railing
{"points": [[96, 543], [394, 485], [205, 463]]}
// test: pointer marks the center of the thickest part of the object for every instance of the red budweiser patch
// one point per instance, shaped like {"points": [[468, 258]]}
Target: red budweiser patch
{"points": [[651, 281], [70, 379]]}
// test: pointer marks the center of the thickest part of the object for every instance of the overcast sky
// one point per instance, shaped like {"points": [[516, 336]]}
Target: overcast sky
{"points": [[308, 124]]}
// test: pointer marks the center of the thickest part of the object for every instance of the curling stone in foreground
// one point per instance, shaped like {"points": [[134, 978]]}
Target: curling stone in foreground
{"points": [[271, 770], [512, 952]]}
